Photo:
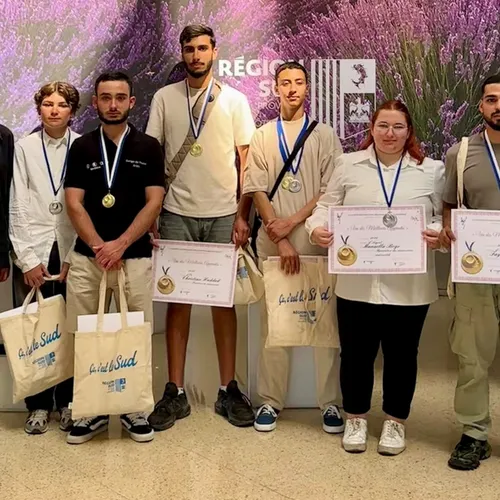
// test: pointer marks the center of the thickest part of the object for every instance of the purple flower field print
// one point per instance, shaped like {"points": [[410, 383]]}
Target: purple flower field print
{"points": [[82, 38], [431, 54]]}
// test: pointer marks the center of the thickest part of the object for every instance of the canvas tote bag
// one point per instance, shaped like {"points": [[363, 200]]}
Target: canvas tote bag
{"points": [[461, 159], [113, 369], [38, 346], [249, 286], [301, 308]]}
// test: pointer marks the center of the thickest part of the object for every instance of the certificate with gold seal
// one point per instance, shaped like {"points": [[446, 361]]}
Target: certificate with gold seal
{"points": [[194, 273], [475, 255], [377, 240]]}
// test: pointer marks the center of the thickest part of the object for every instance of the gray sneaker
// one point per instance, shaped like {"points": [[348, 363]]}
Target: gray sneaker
{"points": [[66, 422], [37, 422]]}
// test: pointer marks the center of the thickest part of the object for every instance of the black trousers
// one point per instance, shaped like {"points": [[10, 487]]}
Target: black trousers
{"points": [[62, 394], [363, 327]]}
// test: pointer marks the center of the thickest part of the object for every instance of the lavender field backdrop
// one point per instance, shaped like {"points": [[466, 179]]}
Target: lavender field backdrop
{"points": [[431, 54]]}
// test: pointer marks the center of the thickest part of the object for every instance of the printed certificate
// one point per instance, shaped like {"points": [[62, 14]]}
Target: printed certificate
{"points": [[377, 240], [475, 255], [194, 273]]}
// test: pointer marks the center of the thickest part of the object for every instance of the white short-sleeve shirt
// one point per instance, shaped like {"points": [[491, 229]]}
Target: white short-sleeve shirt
{"points": [[205, 186]]}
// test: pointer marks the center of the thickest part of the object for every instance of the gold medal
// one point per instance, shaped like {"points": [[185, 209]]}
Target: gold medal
{"points": [[346, 256], [196, 150], [472, 263], [166, 284], [108, 201], [285, 183]]}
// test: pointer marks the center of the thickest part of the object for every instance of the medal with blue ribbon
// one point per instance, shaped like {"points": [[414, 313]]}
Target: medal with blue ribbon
{"points": [[56, 207], [389, 219], [196, 126], [492, 157], [290, 183], [109, 200]]}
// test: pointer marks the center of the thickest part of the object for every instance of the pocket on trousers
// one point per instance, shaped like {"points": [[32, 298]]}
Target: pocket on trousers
{"points": [[462, 338]]}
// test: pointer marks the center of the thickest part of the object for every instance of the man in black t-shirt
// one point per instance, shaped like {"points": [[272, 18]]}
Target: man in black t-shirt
{"points": [[114, 192]]}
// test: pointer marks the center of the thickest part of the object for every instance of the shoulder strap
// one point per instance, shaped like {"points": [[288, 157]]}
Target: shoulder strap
{"points": [[461, 159], [292, 156], [176, 163]]}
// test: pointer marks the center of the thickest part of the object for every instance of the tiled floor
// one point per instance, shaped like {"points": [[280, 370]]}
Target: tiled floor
{"points": [[204, 458]]}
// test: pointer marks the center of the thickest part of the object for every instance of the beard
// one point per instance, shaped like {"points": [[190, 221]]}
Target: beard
{"points": [[115, 121], [495, 125], [200, 73]]}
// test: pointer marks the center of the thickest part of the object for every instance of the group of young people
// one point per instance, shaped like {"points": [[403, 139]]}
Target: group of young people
{"points": [[82, 205]]}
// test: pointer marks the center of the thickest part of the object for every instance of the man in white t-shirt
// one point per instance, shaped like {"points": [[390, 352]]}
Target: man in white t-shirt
{"points": [[201, 124]]}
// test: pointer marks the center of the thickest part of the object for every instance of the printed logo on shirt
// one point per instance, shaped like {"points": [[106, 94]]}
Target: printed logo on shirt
{"points": [[137, 163], [94, 165]]}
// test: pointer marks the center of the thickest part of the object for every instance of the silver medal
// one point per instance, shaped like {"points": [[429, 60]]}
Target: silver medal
{"points": [[295, 186], [55, 207], [389, 220]]}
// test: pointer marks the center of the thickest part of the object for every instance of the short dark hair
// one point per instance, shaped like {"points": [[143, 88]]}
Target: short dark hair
{"points": [[113, 76], [489, 81], [291, 65], [194, 31]]}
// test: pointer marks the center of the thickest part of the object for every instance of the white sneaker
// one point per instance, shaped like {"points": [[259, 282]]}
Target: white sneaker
{"points": [[392, 439], [354, 440]]}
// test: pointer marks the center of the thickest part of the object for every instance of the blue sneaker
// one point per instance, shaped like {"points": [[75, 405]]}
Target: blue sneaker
{"points": [[266, 419], [333, 423]]}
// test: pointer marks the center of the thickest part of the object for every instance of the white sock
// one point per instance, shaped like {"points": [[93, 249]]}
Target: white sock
{"points": [[180, 390], [223, 388]]}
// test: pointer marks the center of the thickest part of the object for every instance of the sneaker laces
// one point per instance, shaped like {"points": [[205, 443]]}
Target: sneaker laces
{"points": [[354, 427], [38, 415], [83, 422], [393, 430], [331, 411], [266, 410], [137, 419]]}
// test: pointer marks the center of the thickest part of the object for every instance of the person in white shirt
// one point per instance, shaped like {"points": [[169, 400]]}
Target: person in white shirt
{"points": [[202, 124], [387, 310], [41, 233]]}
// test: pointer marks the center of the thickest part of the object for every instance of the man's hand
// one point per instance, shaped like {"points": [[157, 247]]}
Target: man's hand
{"points": [[154, 234], [446, 237], [241, 232], [4, 274], [432, 239], [322, 237], [290, 261], [36, 276], [64, 272], [109, 253], [277, 229]]}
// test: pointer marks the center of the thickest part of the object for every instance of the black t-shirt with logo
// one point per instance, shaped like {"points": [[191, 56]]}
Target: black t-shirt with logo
{"points": [[141, 165]]}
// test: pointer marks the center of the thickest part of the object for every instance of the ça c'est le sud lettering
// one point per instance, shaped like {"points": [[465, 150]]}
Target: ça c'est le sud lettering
{"points": [[118, 363], [300, 296], [44, 340]]}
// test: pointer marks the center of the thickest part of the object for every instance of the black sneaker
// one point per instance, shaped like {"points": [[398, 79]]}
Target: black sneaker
{"points": [[235, 406], [468, 453], [137, 425], [171, 407], [84, 429]]}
